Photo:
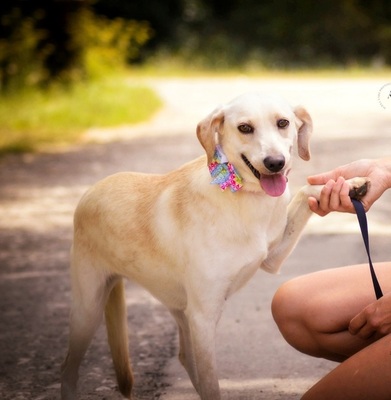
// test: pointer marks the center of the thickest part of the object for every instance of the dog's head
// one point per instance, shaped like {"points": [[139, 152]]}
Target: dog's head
{"points": [[257, 134]]}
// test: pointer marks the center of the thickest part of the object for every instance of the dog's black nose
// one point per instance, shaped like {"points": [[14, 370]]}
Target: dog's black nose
{"points": [[274, 164]]}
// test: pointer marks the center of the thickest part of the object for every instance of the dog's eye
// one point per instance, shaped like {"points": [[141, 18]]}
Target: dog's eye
{"points": [[246, 128], [283, 123]]}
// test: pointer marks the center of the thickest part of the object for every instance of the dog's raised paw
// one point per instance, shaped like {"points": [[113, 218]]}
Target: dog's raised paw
{"points": [[358, 187]]}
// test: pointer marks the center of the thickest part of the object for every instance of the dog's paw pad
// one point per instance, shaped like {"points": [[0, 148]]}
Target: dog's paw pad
{"points": [[358, 187]]}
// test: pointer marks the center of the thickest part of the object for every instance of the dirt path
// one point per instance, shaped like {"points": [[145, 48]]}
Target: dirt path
{"points": [[38, 193]]}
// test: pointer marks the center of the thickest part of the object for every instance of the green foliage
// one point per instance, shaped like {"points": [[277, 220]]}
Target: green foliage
{"points": [[63, 42], [108, 44], [282, 34], [21, 60], [36, 117]]}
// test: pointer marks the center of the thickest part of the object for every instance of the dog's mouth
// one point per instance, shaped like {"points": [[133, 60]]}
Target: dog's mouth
{"points": [[273, 184], [255, 172]]}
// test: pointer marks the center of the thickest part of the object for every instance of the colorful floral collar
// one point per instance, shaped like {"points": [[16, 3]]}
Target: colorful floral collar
{"points": [[223, 172]]}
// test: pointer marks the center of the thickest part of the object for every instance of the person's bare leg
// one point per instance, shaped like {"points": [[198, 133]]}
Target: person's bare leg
{"points": [[313, 311], [365, 375]]}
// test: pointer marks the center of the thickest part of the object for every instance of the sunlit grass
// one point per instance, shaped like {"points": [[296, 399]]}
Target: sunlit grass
{"points": [[58, 115]]}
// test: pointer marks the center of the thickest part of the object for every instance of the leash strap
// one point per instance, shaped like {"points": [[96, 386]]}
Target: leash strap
{"points": [[362, 219]]}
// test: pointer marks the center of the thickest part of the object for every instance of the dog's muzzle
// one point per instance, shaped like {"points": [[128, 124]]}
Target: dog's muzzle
{"points": [[274, 184]]}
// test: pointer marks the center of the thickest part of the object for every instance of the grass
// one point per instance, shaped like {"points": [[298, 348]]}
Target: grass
{"points": [[34, 118]]}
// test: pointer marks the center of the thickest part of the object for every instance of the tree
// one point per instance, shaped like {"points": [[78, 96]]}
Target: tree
{"points": [[63, 41]]}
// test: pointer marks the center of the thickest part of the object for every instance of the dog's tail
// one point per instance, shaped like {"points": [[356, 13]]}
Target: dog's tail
{"points": [[115, 313]]}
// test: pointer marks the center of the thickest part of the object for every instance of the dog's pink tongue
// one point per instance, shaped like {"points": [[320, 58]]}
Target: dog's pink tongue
{"points": [[273, 185]]}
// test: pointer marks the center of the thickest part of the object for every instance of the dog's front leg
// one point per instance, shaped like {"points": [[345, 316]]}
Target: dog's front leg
{"points": [[206, 292], [298, 216], [186, 356], [202, 331]]}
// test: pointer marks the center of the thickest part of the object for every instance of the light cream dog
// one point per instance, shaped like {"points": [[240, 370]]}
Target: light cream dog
{"points": [[189, 242]]}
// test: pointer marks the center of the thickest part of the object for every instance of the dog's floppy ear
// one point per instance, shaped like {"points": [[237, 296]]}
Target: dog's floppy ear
{"points": [[206, 131], [304, 131]]}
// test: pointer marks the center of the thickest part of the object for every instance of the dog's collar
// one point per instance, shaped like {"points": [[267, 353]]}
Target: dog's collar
{"points": [[223, 172]]}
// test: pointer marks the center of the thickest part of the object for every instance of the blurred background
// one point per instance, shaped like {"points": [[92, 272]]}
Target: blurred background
{"points": [[69, 40], [58, 55]]}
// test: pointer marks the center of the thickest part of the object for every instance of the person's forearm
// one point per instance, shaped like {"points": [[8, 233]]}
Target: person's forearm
{"points": [[385, 165]]}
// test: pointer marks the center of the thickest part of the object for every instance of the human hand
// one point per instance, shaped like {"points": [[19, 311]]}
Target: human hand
{"points": [[335, 194], [374, 320], [333, 197]]}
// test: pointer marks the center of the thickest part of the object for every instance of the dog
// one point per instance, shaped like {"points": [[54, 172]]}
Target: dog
{"points": [[191, 237]]}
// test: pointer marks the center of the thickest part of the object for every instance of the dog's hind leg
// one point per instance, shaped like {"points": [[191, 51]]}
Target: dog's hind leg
{"points": [[89, 293], [116, 323]]}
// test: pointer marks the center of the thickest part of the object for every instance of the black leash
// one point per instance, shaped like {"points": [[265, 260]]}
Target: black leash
{"points": [[362, 219]]}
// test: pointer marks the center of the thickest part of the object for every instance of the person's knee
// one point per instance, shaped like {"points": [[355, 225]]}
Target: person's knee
{"points": [[285, 304], [288, 312]]}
